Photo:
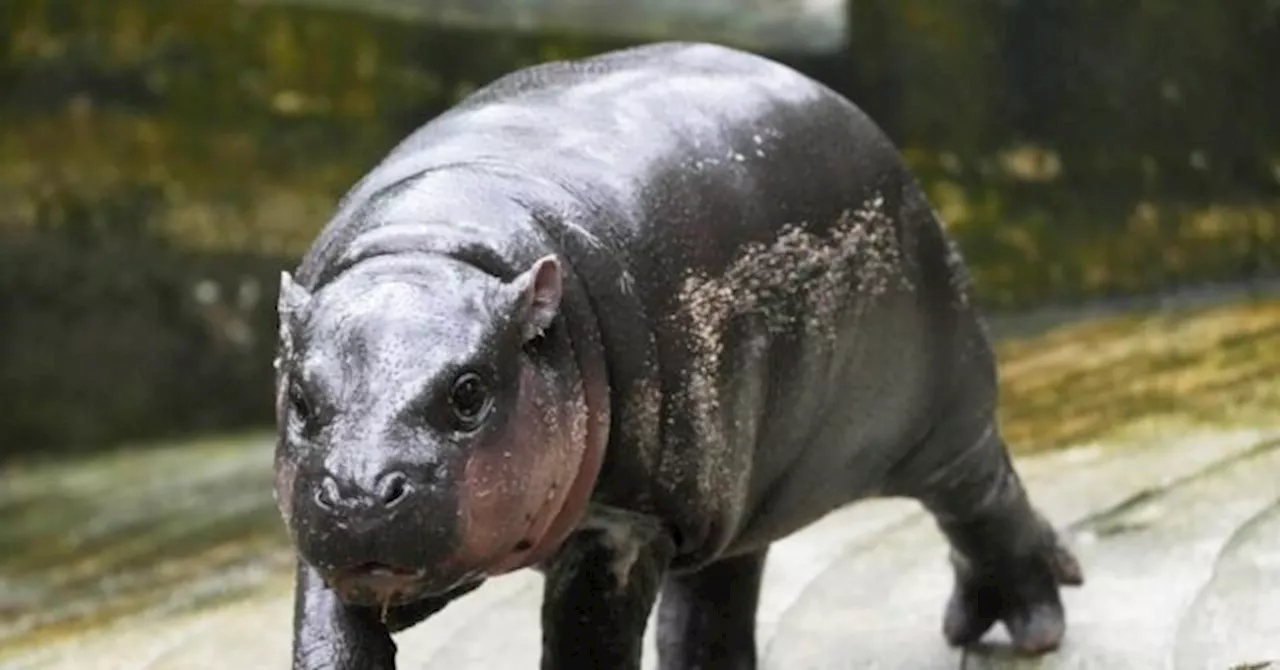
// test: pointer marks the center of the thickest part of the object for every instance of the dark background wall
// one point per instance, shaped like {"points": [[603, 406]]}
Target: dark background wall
{"points": [[161, 162]]}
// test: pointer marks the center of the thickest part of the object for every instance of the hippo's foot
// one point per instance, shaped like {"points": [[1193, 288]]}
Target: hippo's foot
{"points": [[1022, 593], [1009, 561]]}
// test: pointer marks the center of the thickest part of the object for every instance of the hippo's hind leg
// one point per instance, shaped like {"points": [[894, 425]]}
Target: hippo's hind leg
{"points": [[707, 619], [1009, 562]]}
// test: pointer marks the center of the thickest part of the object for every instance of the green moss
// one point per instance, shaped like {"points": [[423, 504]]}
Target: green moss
{"points": [[1078, 383]]}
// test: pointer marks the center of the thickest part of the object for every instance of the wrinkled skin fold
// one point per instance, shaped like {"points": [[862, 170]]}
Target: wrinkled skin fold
{"points": [[628, 321]]}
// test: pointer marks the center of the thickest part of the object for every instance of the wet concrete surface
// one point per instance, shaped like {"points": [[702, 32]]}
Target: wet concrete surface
{"points": [[1180, 540], [173, 558], [1237, 613], [1147, 526]]}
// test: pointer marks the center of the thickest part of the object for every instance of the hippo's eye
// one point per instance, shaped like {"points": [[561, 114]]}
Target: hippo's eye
{"points": [[469, 397], [298, 403]]}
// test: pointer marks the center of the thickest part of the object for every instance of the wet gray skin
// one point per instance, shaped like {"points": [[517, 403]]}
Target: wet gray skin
{"points": [[629, 321]]}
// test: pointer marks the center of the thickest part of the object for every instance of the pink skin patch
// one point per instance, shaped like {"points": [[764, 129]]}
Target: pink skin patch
{"points": [[524, 492]]}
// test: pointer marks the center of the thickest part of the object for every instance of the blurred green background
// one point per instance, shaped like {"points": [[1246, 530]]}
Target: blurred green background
{"points": [[162, 161]]}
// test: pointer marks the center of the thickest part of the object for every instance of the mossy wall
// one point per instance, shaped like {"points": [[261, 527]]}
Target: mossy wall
{"points": [[161, 161]]}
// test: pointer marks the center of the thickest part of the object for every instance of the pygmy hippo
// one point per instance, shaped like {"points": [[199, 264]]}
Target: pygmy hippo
{"points": [[628, 320]]}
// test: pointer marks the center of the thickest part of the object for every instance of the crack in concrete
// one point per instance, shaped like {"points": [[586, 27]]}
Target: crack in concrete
{"points": [[1226, 560], [1111, 515]]}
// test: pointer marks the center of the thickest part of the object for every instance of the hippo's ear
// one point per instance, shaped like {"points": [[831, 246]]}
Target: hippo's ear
{"points": [[537, 296], [293, 297]]}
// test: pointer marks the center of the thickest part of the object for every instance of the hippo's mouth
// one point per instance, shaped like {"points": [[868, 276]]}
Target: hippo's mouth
{"points": [[381, 585], [385, 585]]}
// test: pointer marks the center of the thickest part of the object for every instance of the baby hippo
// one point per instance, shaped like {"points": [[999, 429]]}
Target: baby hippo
{"points": [[628, 320]]}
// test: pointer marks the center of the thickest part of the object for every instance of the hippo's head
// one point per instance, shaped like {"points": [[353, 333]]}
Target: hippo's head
{"points": [[432, 425]]}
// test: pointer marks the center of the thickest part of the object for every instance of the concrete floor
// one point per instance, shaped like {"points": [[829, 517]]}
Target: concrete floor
{"points": [[1180, 541]]}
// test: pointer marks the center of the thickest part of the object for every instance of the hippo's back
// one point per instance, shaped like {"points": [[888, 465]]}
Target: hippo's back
{"points": [[670, 124]]}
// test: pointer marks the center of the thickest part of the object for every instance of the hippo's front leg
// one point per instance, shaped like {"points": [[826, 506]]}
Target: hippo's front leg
{"points": [[600, 589], [331, 635], [707, 619]]}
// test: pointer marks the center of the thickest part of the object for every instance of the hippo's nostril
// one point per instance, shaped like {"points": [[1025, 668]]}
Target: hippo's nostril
{"points": [[393, 489], [327, 494]]}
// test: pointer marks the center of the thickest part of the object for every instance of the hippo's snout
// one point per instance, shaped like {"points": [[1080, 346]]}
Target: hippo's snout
{"points": [[378, 526], [384, 492]]}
